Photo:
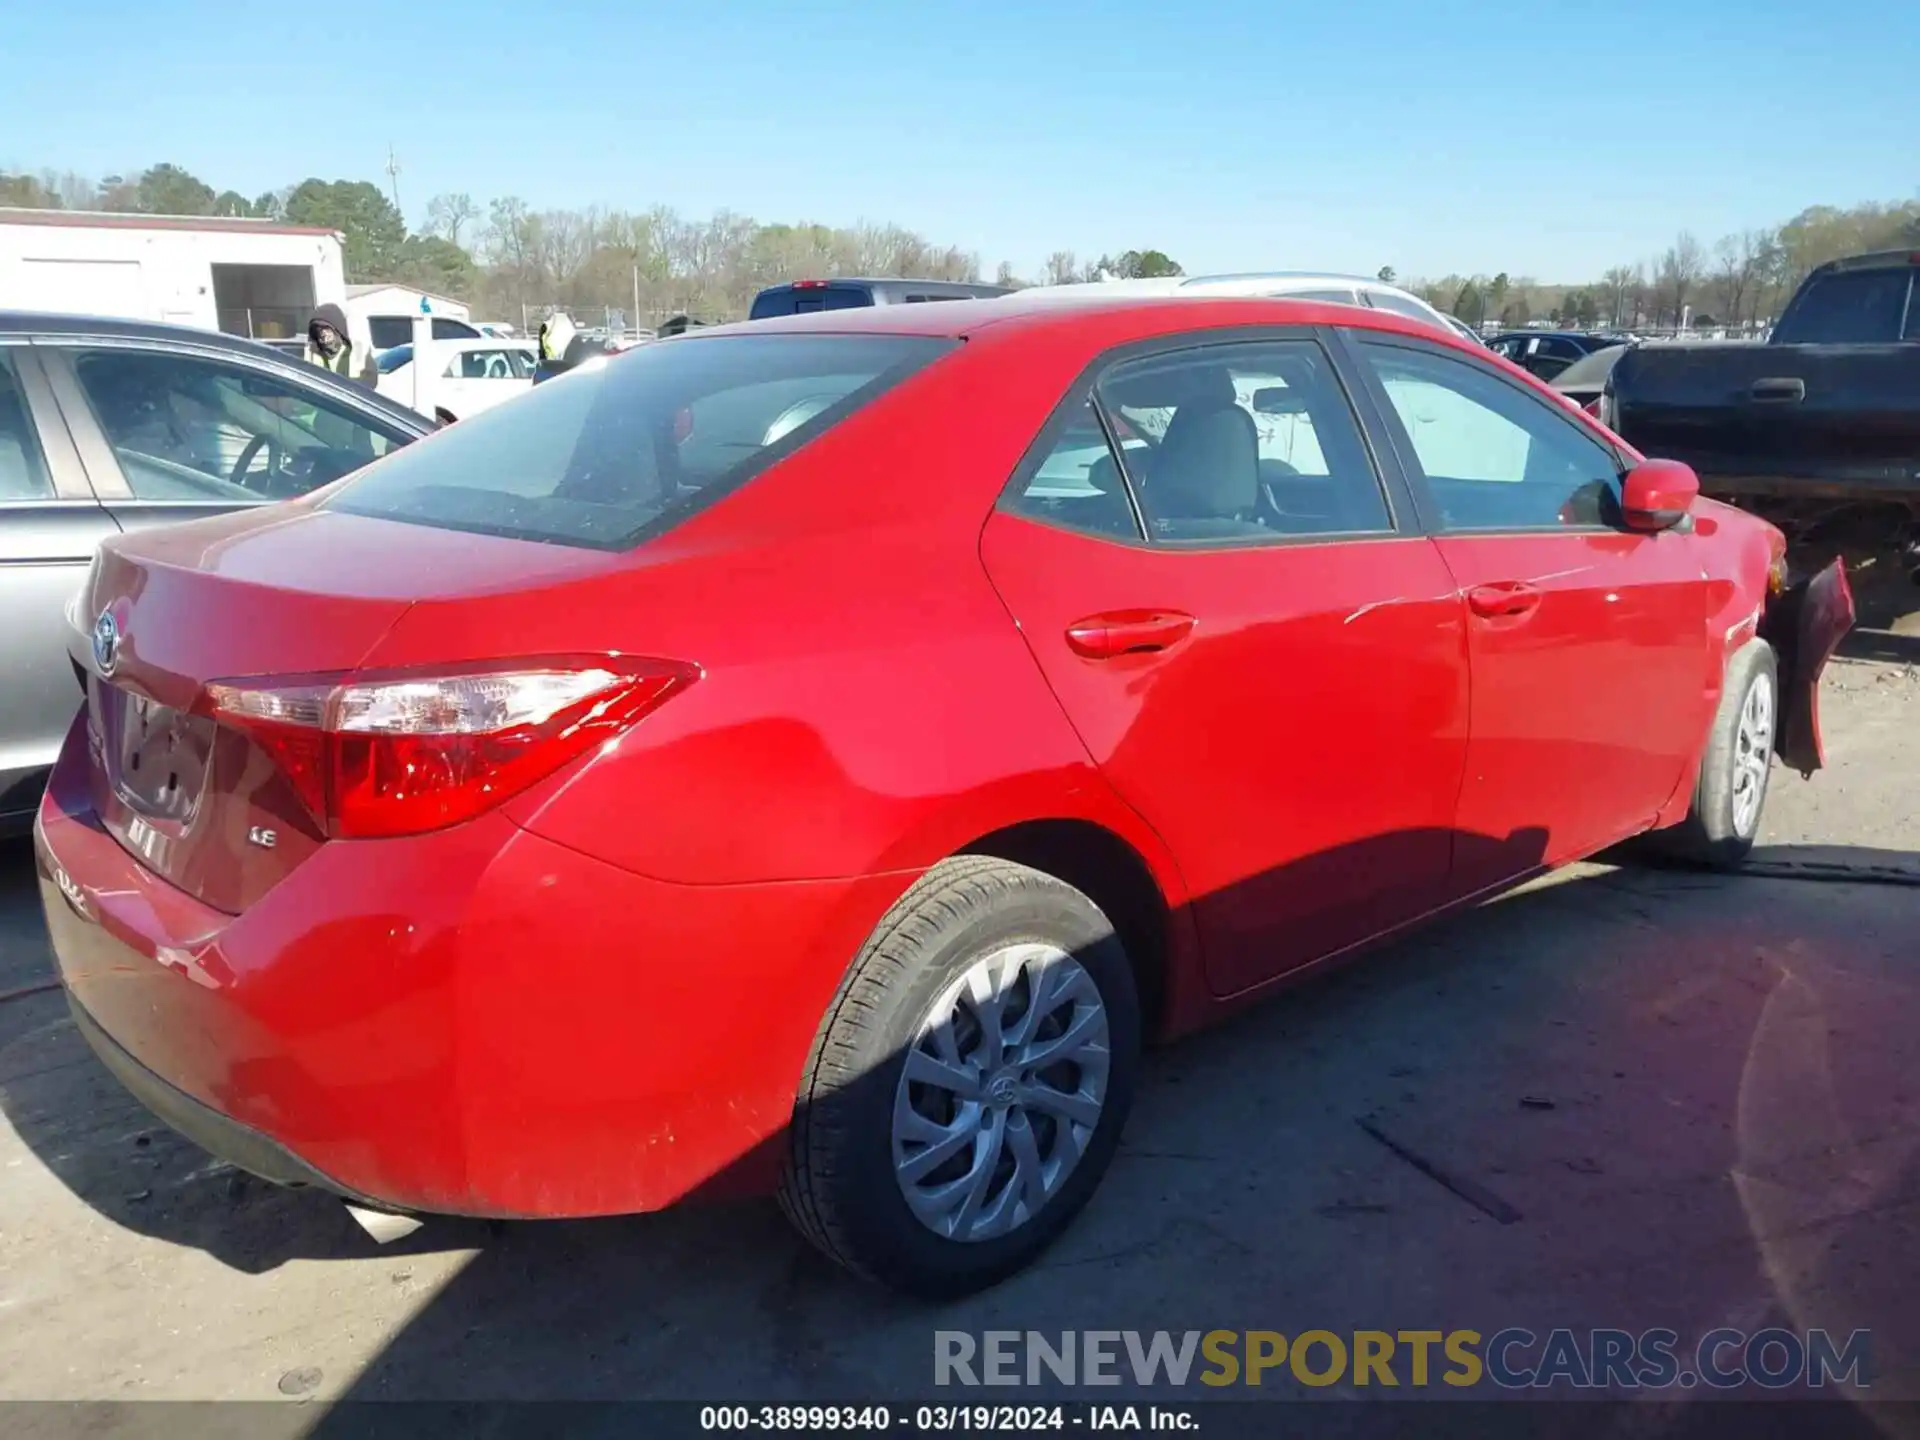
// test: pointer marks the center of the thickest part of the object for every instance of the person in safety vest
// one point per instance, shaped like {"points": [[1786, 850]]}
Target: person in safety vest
{"points": [[330, 349], [556, 333]]}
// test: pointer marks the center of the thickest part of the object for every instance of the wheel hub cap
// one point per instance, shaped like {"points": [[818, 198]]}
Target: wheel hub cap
{"points": [[1752, 756], [1001, 1092]]}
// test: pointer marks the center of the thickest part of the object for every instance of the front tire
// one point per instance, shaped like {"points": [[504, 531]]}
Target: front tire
{"points": [[968, 1086], [1731, 793]]}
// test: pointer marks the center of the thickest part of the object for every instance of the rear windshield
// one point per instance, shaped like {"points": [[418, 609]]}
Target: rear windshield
{"points": [[1847, 307], [391, 360], [792, 300], [621, 449]]}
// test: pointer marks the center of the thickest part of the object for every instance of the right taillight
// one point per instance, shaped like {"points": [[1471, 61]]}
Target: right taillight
{"points": [[405, 752]]}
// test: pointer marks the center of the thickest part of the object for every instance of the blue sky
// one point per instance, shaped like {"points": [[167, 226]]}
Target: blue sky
{"points": [[1543, 139]]}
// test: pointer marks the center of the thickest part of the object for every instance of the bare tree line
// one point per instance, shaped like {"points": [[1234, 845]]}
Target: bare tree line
{"points": [[509, 260], [666, 263], [1738, 284]]}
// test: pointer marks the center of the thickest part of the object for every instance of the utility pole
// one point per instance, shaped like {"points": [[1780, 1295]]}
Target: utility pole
{"points": [[393, 176]]}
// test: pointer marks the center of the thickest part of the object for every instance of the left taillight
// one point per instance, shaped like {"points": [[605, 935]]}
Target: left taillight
{"points": [[405, 752]]}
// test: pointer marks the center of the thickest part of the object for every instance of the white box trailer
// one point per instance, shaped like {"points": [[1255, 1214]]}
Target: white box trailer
{"points": [[256, 278]]}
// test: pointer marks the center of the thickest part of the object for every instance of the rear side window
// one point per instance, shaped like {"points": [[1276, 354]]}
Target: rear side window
{"points": [[618, 451], [1847, 307], [1077, 482], [1244, 442]]}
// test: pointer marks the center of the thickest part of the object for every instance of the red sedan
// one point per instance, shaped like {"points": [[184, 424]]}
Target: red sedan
{"points": [[818, 754]]}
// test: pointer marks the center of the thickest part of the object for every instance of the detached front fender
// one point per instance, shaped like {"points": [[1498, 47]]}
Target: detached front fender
{"points": [[1805, 624]]}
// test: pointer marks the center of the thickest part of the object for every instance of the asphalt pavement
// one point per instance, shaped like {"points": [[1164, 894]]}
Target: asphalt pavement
{"points": [[1668, 1099]]}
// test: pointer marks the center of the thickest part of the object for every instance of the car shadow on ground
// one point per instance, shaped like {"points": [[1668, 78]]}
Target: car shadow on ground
{"points": [[1883, 645], [105, 1148], [1637, 1078]]}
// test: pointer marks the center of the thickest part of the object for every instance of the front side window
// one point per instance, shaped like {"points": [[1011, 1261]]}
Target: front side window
{"points": [[23, 468], [1493, 456], [1244, 441], [614, 452], [187, 428]]}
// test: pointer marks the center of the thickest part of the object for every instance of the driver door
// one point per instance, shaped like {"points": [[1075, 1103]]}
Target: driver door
{"points": [[169, 435]]}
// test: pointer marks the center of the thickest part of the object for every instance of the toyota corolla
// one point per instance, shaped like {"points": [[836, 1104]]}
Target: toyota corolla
{"points": [[817, 756]]}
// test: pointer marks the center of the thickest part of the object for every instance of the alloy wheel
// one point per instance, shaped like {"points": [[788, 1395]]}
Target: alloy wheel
{"points": [[1002, 1090], [1752, 755]]}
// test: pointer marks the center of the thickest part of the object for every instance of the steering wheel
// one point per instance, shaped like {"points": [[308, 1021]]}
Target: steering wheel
{"points": [[245, 462]]}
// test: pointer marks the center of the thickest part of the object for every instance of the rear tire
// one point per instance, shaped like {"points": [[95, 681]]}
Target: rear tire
{"points": [[1731, 793], [980, 968]]}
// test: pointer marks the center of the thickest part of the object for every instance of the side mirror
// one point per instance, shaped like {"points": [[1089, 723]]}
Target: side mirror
{"points": [[1658, 494]]}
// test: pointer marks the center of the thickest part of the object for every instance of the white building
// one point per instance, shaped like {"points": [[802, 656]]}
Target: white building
{"points": [[246, 277], [383, 315]]}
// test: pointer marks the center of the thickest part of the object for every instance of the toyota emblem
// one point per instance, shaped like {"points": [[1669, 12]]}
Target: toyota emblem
{"points": [[106, 643]]}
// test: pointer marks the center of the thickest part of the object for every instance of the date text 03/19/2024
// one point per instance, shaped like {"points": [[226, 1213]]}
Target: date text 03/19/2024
{"points": [[945, 1419]]}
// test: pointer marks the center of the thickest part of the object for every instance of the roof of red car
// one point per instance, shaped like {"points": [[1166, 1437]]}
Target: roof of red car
{"points": [[1148, 316]]}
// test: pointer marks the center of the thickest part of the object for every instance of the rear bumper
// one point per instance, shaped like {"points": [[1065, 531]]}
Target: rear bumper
{"points": [[475, 1022], [219, 1135]]}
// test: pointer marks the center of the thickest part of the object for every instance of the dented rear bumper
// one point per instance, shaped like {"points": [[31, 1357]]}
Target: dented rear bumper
{"points": [[1805, 625]]}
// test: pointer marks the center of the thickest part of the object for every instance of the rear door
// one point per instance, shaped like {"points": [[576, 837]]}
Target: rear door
{"points": [[49, 526], [1588, 643], [1279, 690], [170, 434]]}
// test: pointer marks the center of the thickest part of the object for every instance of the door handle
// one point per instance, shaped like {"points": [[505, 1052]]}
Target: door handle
{"points": [[1783, 390], [1503, 598], [1128, 632]]}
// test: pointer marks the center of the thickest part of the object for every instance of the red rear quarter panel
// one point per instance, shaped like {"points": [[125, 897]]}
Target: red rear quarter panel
{"points": [[866, 704]]}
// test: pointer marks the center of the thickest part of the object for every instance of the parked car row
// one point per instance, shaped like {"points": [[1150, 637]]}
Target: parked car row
{"points": [[979, 690], [1548, 353], [802, 297]]}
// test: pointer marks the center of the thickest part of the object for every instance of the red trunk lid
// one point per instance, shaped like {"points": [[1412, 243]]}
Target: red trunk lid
{"points": [[283, 592]]}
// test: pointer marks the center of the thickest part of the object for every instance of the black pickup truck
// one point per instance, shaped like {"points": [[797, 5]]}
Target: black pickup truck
{"points": [[1824, 416]]}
